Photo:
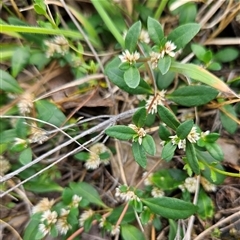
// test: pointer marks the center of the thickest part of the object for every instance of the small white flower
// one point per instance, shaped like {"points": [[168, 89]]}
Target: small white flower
{"points": [[193, 136], [38, 135], [154, 101], [62, 224], [75, 200], [181, 143], [44, 205], [154, 58], [208, 187], [57, 45], [25, 103], [127, 195], [168, 49], [102, 222], [156, 192], [182, 187], [204, 134], [4, 165], [140, 132], [44, 229], [115, 230], [129, 57], [93, 162], [144, 36], [190, 184], [20, 141], [84, 216], [49, 217], [147, 181]]}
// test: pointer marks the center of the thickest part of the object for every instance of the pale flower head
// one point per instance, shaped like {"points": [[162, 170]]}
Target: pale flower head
{"points": [[84, 216], [154, 58], [181, 143], [190, 184], [98, 149], [157, 192], [204, 134], [126, 195], [44, 205], [193, 136], [49, 216], [93, 162], [44, 229], [25, 104], [140, 132], [148, 180], [38, 135], [4, 165], [129, 57], [168, 48], [115, 230], [62, 224], [208, 187], [75, 201], [144, 36], [153, 101]]}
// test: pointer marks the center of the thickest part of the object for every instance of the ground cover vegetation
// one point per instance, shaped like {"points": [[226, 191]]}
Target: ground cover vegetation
{"points": [[120, 119]]}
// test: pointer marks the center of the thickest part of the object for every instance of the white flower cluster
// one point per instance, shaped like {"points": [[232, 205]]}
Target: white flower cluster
{"points": [[157, 192], [140, 132], [129, 57], [57, 45], [168, 49], [192, 137], [208, 187], [75, 201], [38, 136], [190, 185], [114, 230], [48, 219], [94, 160], [62, 224], [25, 104], [84, 216], [154, 101], [44, 205], [126, 195]]}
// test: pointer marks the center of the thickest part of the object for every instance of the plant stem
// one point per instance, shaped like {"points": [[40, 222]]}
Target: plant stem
{"points": [[160, 9]]}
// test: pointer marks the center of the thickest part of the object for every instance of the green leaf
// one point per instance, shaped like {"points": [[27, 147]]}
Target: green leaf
{"points": [[19, 60], [212, 137], [40, 8], [82, 156], [121, 132], [116, 77], [214, 66], [86, 191], [164, 64], [130, 232], [149, 145], [43, 186], [187, 13], [227, 54], [168, 117], [145, 215], [172, 208], [132, 36], [164, 81], [25, 156], [8, 83], [163, 132], [184, 129], [139, 154], [132, 77], [205, 206], [192, 158], [139, 117], [207, 57], [21, 128], [228, 123], [33, 227], [193, 95], [39, 59], [183, 34], [49, 112], [155, 30], [215, 151], [200, 74], [199, 51], [168, 151], [173, 229]]}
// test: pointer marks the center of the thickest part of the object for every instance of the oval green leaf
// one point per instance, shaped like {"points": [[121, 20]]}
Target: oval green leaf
{"points": [[149, 145], [8, 83], [192, 157], [170, 207], [164, 64], [139, 154], [25, 156], [130, 232], [132, 77], [139, 117], [120, 132], [155, 30], [132, 36], [184, 129], [168, 151], [193, 95]]}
